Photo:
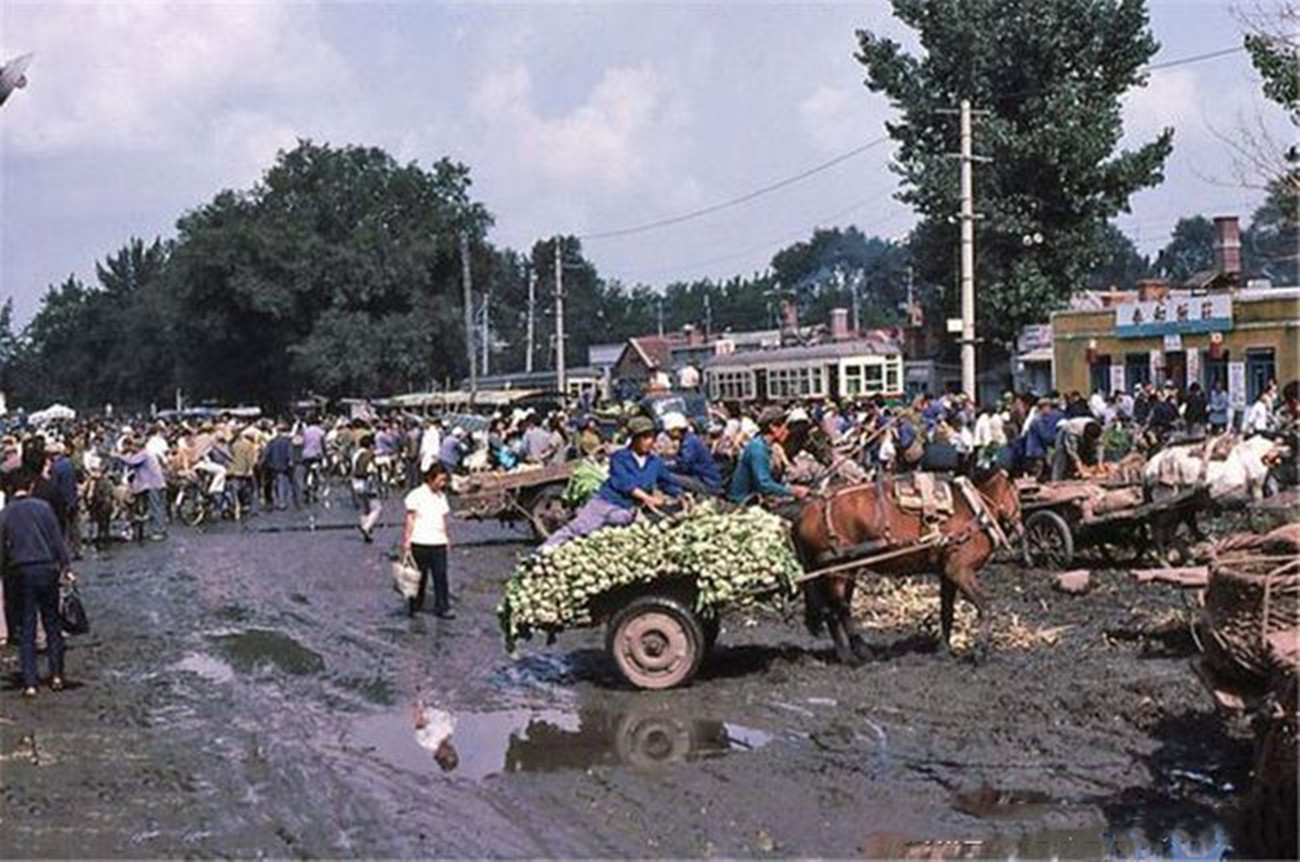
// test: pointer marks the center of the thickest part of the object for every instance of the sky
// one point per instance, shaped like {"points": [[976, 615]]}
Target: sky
{"points": [[575, 118]]}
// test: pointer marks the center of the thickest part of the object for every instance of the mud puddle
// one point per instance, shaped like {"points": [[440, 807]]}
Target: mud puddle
{"points": [[254, 650], [206, 667], [513, 741]]}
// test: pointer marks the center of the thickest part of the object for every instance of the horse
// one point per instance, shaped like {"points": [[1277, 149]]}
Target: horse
{"points": [[867, 521]]}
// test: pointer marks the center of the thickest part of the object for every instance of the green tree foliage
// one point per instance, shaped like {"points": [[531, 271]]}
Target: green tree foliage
{"points": [[1049, 74], [338, 272], [1271, 245], [1190, 249], [822, 272], [1119, 264]]}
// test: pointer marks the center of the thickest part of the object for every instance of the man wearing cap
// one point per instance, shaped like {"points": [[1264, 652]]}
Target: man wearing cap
{"points": [[694, 468], [636, 478], [753, 476]]}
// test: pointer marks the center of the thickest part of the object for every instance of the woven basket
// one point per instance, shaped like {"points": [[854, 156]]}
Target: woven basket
{"points": [[1253, 594], [1270, 816]]}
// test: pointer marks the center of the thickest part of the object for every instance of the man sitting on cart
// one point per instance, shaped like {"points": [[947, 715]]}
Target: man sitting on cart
{"points": [[637, 479], [753, 478]]}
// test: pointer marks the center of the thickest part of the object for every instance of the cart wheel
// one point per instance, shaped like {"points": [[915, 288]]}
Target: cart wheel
{"points": [[1048, 541], [656, 642], [548, 512], [645, 741], [191, 510]]}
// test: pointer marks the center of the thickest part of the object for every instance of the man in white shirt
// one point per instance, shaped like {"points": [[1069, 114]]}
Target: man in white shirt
{"points": [[1259, 418], [430, 445]]}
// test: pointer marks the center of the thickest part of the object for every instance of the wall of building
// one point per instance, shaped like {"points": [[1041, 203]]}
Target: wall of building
{"points": [[1263, 328]]}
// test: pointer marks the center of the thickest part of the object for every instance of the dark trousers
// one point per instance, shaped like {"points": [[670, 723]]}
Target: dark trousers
{"points": [[432, 562], [13, 604], [40, 592]]}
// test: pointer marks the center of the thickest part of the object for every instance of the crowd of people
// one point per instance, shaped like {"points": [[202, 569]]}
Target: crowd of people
{"points": [[63, 485]]}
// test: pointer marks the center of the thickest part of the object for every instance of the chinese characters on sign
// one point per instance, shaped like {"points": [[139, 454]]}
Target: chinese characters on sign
{"points": [[1180, 314]]}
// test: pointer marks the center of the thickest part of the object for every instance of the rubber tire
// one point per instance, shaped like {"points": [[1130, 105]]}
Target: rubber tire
{"points": [[1047, 526], [680, 624], [541, 511], [191, 510]]}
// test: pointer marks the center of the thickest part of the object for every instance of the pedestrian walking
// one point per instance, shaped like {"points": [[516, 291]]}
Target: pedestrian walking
{"points": [[365, 486], [424, 536], [33, 555]]}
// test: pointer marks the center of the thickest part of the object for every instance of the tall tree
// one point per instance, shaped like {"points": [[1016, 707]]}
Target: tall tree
{"points": [[339, 271], [1049, 74], [1271, 245], [1190, 249]]}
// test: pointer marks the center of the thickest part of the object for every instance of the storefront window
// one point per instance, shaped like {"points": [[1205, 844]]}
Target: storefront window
{"points": [[1099, 376], [1261, 370], [1137, 370]]}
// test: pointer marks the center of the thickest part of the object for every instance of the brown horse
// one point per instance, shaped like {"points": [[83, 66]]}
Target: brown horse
{"points": [[866, 521]]}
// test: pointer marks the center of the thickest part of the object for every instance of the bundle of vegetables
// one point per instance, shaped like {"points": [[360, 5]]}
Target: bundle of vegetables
{"points": [[586, 480], [730, 557]]}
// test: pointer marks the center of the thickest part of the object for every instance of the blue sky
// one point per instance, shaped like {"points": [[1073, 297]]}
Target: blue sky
{"points": [[574, 118]]}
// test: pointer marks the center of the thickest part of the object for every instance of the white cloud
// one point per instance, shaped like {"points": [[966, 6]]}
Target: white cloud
{"points": [[1170, 98], [835, 118], [608, 139], [154, 77]]}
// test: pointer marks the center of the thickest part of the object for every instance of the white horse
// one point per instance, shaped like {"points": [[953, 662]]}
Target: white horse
{"points": [[1239, 477]]}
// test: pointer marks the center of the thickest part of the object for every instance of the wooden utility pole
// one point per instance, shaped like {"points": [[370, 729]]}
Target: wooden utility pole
{"points": [[559, 318], [468, 285], [532, 312], [967, 255]]}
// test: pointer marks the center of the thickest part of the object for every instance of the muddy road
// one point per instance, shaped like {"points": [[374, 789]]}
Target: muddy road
{"points": [[252, 692]]}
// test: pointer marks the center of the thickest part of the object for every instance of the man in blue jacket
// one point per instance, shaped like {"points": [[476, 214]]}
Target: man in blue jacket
{"points": [[636, 479], [753, 477], [694, 468]]}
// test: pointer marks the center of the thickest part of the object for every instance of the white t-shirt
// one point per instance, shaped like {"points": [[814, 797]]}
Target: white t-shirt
{"points": [[430, 510]]}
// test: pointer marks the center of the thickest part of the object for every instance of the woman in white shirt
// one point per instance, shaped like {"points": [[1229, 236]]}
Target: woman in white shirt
{"points": [[425, 537]]}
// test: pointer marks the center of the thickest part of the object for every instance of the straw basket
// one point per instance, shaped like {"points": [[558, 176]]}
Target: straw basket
{"points": [[1270, 815], [1253, 594]]}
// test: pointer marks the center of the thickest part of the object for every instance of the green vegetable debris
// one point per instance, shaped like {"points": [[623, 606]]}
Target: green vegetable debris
{"points": [[586, 480], [729, 557]]}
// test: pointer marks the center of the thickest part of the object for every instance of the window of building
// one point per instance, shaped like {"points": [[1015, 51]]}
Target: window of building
{"points": [[893, 371], [732, 385], [853, 379], [796, 382], [1099, 376], [1137, 370]]}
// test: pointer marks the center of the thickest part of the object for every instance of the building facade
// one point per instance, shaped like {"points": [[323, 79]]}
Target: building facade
{"points": [[1240, 339]]}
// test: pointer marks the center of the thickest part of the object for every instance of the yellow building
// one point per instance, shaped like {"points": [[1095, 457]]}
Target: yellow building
{"points": [[1242, 339]]}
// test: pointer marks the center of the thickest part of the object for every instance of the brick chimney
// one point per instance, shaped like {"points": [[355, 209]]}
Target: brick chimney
{"points": [[1227, 247], [839, 324], [694, 337]]}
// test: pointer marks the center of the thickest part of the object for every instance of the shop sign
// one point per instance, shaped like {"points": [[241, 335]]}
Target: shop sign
{"points": [[1173, 341], [1193, 366], [1117, 377], [1181, 314]]}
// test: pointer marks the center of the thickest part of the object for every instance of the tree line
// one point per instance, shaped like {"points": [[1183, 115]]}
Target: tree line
{"points": [[339, 272]]}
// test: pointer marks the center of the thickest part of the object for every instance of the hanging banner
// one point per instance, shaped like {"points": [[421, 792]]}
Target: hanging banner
{"points": [[1237, 385], [1117, 377], [1156, 365], [1193, 366], [1181, 314]]}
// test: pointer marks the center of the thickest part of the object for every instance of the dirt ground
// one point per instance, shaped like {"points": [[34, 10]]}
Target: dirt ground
{"points": [[252, 691]]}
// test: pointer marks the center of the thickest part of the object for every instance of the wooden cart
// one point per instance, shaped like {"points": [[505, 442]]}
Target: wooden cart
{"points": [[1062, 518], [534, 496]]}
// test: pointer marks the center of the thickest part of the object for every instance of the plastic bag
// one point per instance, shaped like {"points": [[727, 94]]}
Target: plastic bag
{"points": [[72, 612], [406, 576]]}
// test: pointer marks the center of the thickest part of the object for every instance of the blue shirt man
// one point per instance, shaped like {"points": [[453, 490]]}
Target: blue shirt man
{"points": [[753, 476], [694, 467]]}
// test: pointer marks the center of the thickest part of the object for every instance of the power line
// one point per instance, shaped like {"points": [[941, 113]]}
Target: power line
{"points": [[736, 201], [1196, 58]]}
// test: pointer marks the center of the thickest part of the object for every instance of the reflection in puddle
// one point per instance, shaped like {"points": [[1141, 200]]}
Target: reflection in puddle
{"points": [[1060, 829], [254, 648], [206, 666], [519, 740]]}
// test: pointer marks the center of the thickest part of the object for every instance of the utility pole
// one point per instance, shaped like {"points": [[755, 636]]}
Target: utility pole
{"points": [[708, 317], [857, 301], [659, 303], [967, 255], [486, 344], [532, 311], [560, 380], [468, 285]]}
